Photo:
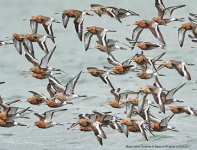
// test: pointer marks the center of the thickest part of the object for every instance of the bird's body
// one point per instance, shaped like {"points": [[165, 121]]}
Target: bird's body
{"points": [[78, 21]]}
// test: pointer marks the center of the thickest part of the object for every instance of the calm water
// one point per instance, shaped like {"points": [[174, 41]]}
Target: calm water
{"points": [[71, 57]]}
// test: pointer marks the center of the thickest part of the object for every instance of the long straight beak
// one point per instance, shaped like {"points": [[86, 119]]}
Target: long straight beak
{"points": [[131, 24], [9, 36], [59, 13], [28, 76], [85, 29], [24, 101], [92, 47], [43, 103], [133, 77], [159, 64], [27, 71], [120, 113], [27, 19], [32, 125], [124, 100], [136, 90], [105, 104], [86, 71], [88, 10], [113, 68], [178, 27], [71, 122], [131, 60], [76, 129], [134, 46]]}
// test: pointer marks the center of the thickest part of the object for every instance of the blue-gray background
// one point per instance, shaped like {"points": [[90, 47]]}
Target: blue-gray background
{"points": [[71, 57]]}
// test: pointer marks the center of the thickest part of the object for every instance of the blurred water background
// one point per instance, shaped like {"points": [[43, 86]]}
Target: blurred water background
{"points": [[70, 56]]}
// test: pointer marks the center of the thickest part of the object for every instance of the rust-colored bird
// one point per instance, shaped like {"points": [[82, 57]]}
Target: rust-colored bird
{"points": [[65, 93], [10, 113], [192, 25], [10, 123], [40, 67], [113, 12], [144, 24], [40, 39], [118, 97], [161, 125], [164, 14], [45, 21], [46, 119], [99, 32], [111, 46], [95, 126], [17, 40], [37, 98], [100, 73], [146, 45], [178, 65], [78, 21], [182, 109]]}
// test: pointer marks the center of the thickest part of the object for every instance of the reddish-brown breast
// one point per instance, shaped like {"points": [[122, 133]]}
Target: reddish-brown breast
{"points": [[32, 101], [2, 123], [42, 124], [18, 37], [115, 104], [141, 24], [116, 71], [127, 122], [91, 30], [133, 129], [159, 20], [37, 19], [138, 60], [53, 104], [142, 46], [175, 110], [69, 13], [100, 48], [83, 123], [142, 75], [186, 26], [94, 72], [100, 120], [85, 128], [39, 76], [3, 117], [36, 70], [156, 127], [120, 68], [133, 101], [30, 37]]}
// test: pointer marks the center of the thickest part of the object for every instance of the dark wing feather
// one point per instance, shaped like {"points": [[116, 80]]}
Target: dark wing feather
{"points": [[79, 26], [65, 20], [18, 46], [181, 35], [55, 83], [71, 84], [34, 26], [46, 58], [136, 33], [87, 39]]}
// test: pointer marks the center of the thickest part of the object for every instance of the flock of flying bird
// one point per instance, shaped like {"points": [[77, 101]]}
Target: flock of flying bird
{"points": [[144, 67]]}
